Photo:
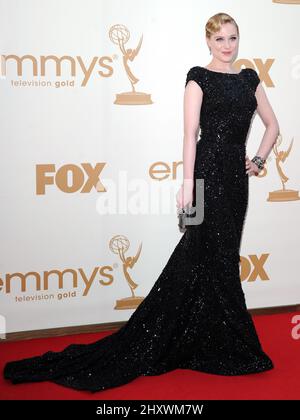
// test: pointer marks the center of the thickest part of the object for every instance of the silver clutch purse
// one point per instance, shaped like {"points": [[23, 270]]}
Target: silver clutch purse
{"points": [[181, 213]]}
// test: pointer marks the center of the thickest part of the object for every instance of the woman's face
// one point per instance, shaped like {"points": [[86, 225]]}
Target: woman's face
{"points": [[224, 44]]}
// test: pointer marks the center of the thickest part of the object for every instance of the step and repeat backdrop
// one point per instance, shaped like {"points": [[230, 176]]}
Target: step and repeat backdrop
{"points": [[91, 97]]}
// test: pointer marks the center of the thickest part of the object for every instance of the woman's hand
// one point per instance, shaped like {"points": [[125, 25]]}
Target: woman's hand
{"points": [[184, 196], [251, 167]]}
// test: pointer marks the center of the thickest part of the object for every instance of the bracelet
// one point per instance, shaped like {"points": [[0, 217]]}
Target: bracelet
{"points": [[259, 161]]}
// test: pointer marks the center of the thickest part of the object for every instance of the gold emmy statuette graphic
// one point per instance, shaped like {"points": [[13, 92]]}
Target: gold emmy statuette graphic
{"points": [[283, 194], [119, 244], [287, 1], [119, 35]]}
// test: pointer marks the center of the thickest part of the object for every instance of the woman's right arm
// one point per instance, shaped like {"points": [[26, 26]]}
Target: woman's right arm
{"points": [[192, 102]]}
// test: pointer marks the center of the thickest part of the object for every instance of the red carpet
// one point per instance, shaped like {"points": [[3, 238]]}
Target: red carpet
{"points": [[275, 332]]}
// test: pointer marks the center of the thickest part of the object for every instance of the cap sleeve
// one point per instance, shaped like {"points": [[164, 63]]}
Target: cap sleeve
{"points": [[194, 74], [254, 78]]}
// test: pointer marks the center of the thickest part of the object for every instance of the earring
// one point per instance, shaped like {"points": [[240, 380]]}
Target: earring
{"points": [[209, 51]]}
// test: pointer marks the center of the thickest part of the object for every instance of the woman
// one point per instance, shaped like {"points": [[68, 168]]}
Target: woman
{"points": [[195, 315]]}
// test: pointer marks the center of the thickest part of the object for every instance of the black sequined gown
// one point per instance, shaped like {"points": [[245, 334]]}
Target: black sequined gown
{"points": [[195, 315]]}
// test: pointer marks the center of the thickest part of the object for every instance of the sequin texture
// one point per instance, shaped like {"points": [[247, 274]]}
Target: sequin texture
{"points": [[195, 315]]}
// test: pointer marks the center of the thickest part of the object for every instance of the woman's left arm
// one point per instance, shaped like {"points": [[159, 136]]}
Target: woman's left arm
{"points": [[269, 120]]}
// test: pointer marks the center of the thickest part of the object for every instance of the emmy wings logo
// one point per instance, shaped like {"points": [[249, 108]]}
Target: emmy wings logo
{"points": [[284, 194], [119, 245], [56, 284], [287, 1], [281, 155], [119, 35], [45, 67]]}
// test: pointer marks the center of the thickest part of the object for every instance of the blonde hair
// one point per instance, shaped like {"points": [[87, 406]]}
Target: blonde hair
{"points": [[214, 23]]}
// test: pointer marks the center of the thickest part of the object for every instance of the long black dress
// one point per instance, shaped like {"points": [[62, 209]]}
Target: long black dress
{"points": [[195, 315]]}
